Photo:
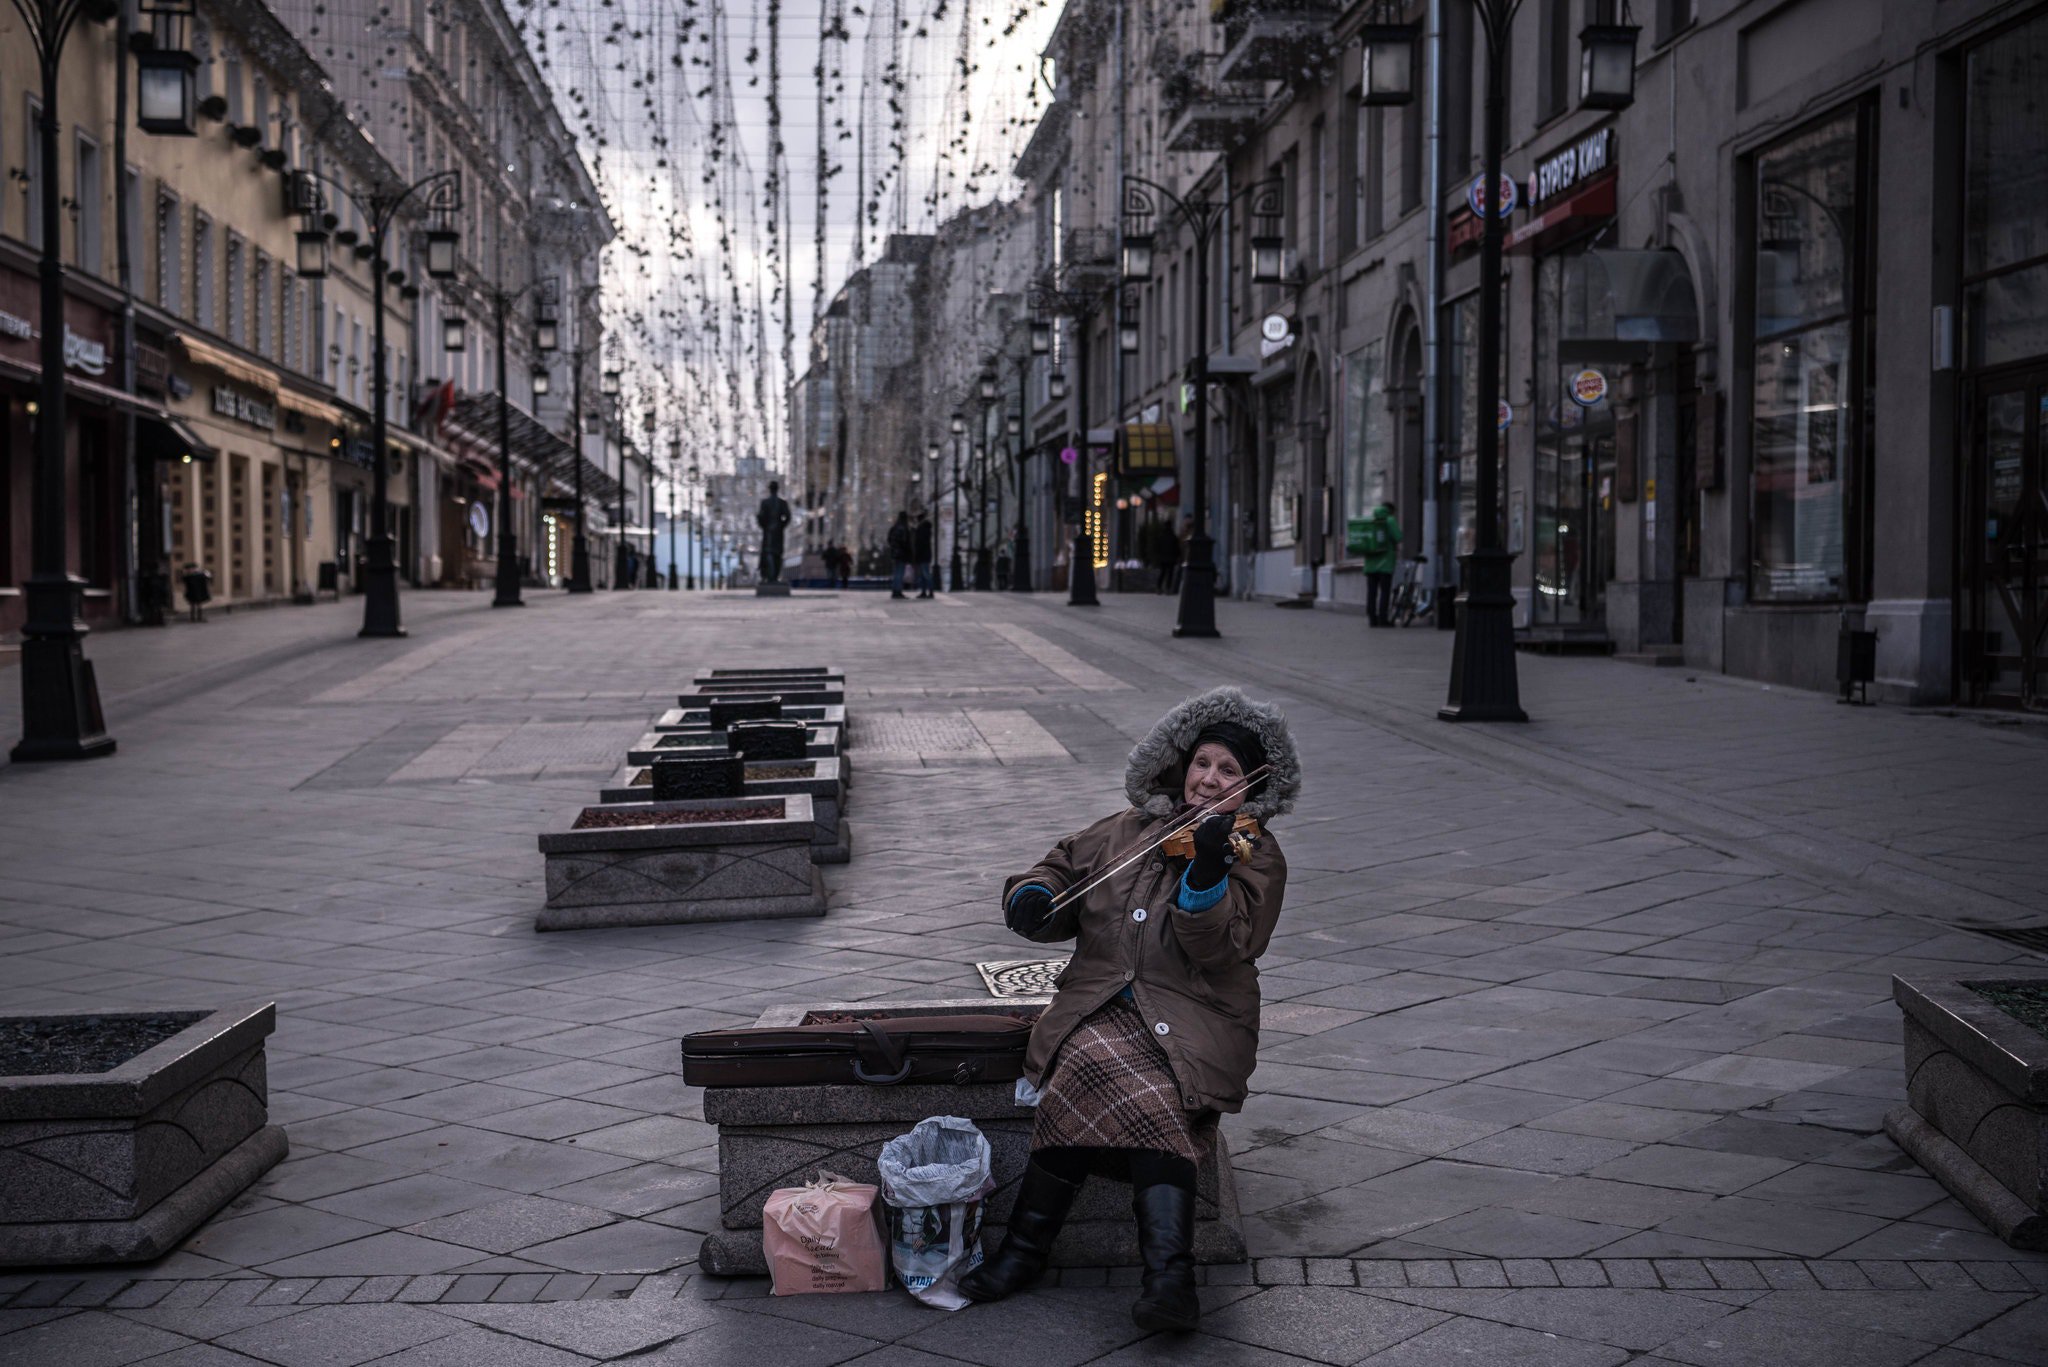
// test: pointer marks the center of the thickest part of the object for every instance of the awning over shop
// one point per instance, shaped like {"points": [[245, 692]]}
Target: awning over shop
{"points": [[1145, 446], [86, 390], [169, 439], [474, 420], [307, 406], [226, 362]]}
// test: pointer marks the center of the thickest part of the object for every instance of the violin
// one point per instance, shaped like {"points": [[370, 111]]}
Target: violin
{"points": [[1243, 831]]}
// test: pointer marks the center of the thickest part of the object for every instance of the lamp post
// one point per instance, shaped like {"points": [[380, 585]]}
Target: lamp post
{"points": [[60, 701], [579, 553], [379, 209], [931, 456], [959, 440], [675, 467], [1079, 305], [1020, 556], [696, 534], [619, 576], [1483, 684], [546, 289], [1201, 217]]}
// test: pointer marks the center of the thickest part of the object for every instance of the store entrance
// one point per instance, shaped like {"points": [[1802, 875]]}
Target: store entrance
{"points": [[2004, 637]]}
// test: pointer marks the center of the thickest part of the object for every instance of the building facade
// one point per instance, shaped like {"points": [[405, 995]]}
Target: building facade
{"points": [[1772, 337]]}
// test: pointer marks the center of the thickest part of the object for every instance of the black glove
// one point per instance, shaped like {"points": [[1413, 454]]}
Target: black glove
{"points": [[1212, 852], [1029, 911]]}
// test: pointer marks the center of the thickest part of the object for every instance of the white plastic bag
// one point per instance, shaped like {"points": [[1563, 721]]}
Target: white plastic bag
{"points": [[933, 1181]]}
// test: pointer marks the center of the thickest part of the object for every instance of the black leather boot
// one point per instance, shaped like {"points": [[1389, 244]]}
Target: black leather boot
{"points": [[1166, 1245], [1043, 1201]]}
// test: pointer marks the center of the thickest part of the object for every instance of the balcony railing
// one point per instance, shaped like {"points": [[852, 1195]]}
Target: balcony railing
{"points": [[1205, 112], [1279, 40]]}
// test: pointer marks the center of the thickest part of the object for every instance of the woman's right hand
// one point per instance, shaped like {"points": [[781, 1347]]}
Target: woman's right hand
{"points": [[1029, 911]]}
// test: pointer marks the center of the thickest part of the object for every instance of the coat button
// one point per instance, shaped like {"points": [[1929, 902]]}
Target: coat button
{"points": [[1129, 976], [1157, 866], [1138, 914], [1162, 1028]]}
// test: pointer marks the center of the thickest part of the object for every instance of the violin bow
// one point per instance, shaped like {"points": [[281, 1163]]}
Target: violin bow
{"points": [[1200, 815]]}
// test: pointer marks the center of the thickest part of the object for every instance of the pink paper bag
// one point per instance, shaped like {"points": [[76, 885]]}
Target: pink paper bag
{"points": [[823, 1237]]}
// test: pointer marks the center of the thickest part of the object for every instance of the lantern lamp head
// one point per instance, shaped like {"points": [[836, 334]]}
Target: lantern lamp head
{"points": [[1607, 65], [1137, 258], [312, 254], [1127, 336], [547, 334], [987, 386], [610, 384], [1041, 337], [441, 253], [1389, 64], [1267, 263], [957, 424], [540, 381], [1056, 386], [454, 333], [166, 101]]}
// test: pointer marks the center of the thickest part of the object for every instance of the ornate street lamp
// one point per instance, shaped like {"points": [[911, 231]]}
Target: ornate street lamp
{"points": [[1127, 332], [454, 333], [986, 385], [60, 702], [1483, 684], [1607, 64], [1203, 218], [609, 386], [166, 72], [957, 424], [1056, 386], [540, 381], [1041, 337]]}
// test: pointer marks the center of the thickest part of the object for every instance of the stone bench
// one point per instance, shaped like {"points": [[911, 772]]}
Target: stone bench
{"points": [[771, 1137], [655, 874]]}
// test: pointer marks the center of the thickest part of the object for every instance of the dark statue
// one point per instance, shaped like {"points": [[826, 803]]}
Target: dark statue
{"points": [[772, 518]]}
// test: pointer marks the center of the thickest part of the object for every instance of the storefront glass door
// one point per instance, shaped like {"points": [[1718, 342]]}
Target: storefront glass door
{"points": [[2005, 636], [1574, 477]]}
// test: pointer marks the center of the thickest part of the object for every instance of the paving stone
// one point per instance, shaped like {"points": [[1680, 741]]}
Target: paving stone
{"points": [[1761, 1335], [340, 1335], [1467, 1340], [1530, 1272]]}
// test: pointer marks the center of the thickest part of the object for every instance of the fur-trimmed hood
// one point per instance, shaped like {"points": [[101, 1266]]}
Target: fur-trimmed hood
{"points": [[1152, 777]]}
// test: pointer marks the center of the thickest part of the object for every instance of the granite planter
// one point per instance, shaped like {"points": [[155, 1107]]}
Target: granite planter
{"points": [[823, 743], [777, 671], [694, 715], [658, 875], [830, 843], [1977, 1094], [832, 691], [118, 1166], [771, 1137]]}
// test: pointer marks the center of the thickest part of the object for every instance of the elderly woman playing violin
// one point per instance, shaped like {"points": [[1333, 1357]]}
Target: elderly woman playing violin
{"points": [[1154, 1030]]}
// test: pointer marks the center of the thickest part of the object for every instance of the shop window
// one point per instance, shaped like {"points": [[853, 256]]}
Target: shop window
{"points": [[1368, 463], [1809, 433], [2005, 239]]}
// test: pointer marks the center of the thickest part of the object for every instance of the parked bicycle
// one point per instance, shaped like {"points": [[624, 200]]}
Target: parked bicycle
{"points": [[1411, 597]]}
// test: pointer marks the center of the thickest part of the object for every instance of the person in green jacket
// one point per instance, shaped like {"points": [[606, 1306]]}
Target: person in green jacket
{"points": [[1380, 543]]}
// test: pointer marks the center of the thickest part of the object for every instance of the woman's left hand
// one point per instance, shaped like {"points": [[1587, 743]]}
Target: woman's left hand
{"points": [[1212, 851]]}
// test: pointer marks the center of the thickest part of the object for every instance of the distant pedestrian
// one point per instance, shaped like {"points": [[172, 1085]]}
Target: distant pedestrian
{"points": [[198, 591], [1378, 542], [921, 541], [1003, 569], [902, 549], [845, 568]]}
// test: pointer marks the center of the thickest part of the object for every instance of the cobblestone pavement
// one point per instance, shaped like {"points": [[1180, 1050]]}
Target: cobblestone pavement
{"points": [[1577, 1038]]}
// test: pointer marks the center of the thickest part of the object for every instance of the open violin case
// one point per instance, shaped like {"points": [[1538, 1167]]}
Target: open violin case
{"points": [[878, 1053]]}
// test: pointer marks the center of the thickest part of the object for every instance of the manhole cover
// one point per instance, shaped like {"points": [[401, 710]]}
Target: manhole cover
{"points": [[2033, 939], [1021, 977]]}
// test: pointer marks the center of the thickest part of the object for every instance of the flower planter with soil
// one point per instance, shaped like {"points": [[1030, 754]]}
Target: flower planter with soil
{"points": [[670, 863], [695, 715], [792, 690], [121, 1131], [1977, 1093], [818, 744], [816, 778], [771, 1137]]}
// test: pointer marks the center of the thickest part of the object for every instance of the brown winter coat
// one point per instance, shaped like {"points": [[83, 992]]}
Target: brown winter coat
{"points": [[1193, 973]]}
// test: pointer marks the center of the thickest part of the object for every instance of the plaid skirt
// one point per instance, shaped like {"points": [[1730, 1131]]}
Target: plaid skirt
{"points": [[1110, 1088]]}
